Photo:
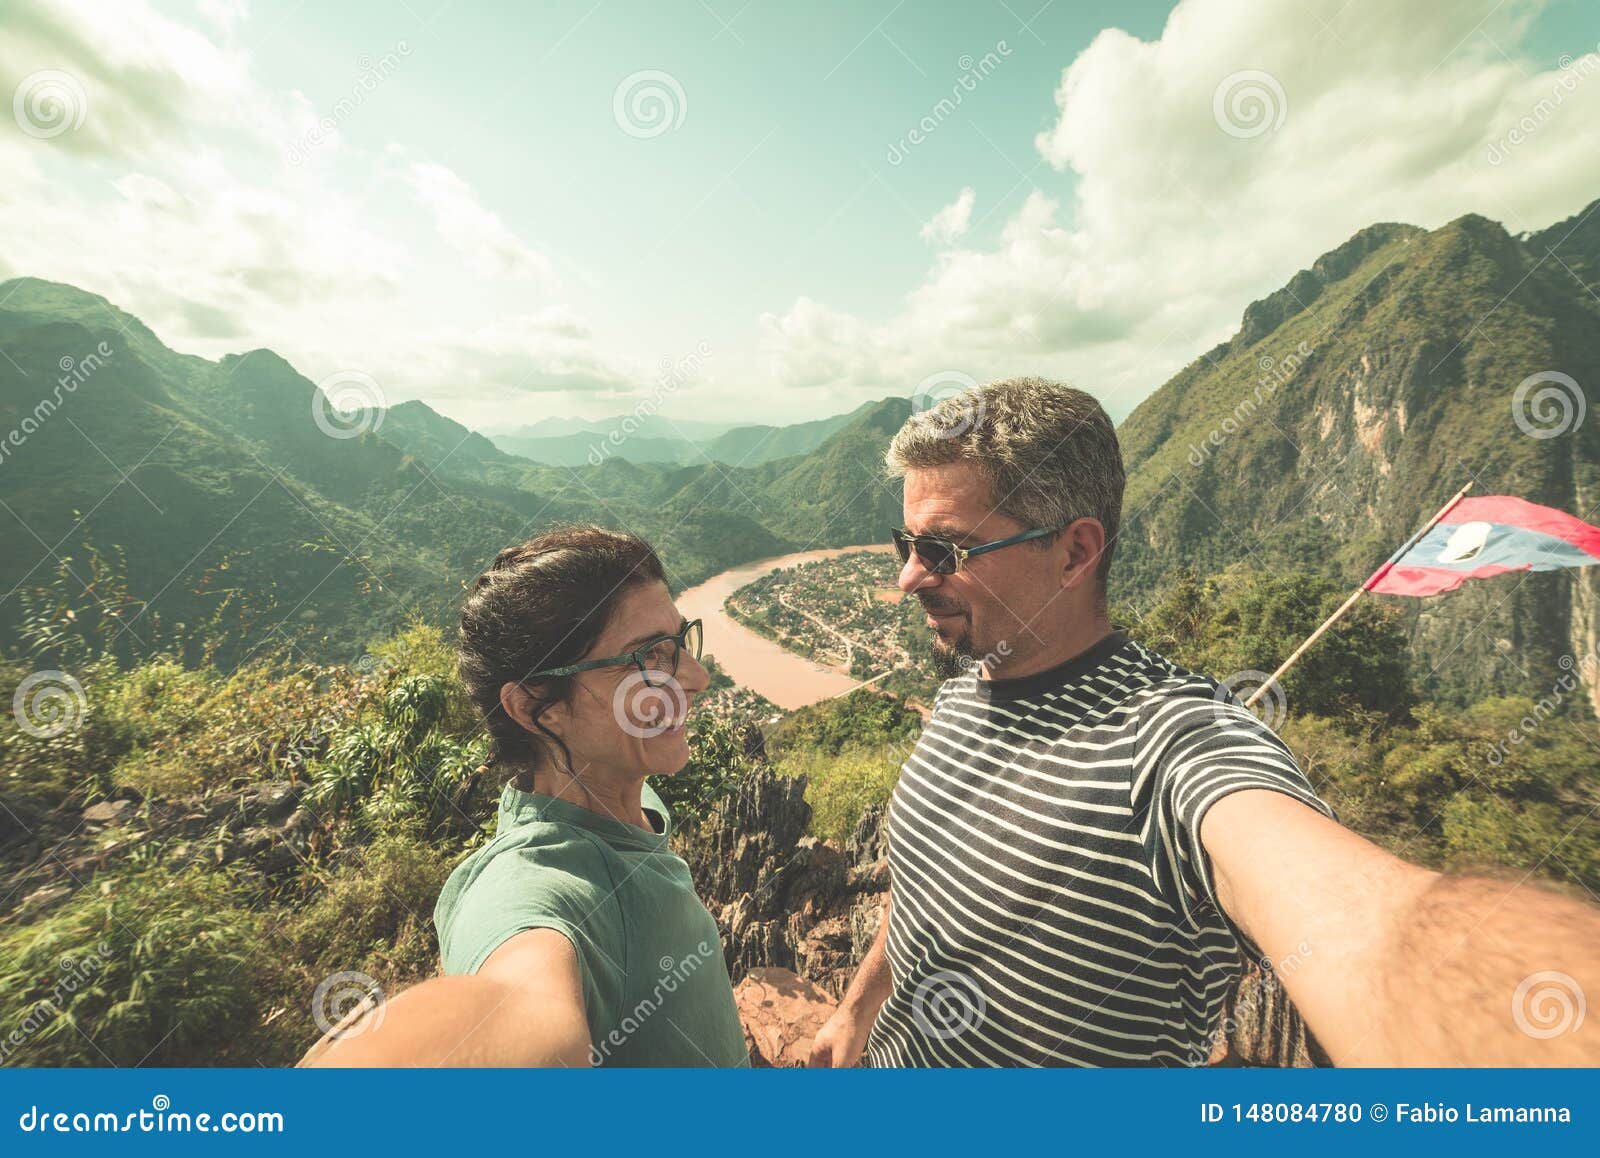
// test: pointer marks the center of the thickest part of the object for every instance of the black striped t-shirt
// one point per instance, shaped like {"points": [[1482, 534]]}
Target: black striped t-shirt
{"points": [[1052, 901]]}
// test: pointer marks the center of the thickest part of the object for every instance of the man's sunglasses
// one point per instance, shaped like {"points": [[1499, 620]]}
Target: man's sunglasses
{"points": [[943, 557], [656, 659]]}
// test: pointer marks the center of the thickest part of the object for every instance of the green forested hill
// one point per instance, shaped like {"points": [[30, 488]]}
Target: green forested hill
{"points": [[754, 445], [1354, 402], [452, 450], [1351, 403], [240, 519]]}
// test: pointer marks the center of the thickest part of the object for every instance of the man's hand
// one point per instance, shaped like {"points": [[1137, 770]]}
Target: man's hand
{"points": [[842, 1040]]}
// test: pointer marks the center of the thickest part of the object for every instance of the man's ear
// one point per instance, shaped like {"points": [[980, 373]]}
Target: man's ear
{"points": [[1085, 542], [521, 705]]}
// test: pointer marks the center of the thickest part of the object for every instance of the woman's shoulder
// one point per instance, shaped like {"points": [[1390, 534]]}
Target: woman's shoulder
{"points": [[538, 875], [536, 858]]}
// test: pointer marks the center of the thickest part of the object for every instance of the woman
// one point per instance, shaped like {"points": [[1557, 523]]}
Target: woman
{"points": [[575, 936]]}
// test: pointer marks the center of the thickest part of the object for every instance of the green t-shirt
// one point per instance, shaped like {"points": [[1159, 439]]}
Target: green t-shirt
{"points": [[655, 987]]}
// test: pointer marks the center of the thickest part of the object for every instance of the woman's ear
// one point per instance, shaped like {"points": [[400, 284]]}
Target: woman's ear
{"points": [[523, 707]]}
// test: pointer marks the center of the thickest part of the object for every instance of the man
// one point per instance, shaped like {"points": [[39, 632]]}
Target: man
{"points": [[1087, 836]]}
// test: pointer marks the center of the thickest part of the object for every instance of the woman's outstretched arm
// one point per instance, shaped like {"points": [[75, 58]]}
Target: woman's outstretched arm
{"points": [[524, 1007]]}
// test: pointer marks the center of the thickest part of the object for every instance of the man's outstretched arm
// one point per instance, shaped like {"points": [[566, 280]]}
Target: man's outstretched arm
{"points": [[1396, 965], [843, 1038]]}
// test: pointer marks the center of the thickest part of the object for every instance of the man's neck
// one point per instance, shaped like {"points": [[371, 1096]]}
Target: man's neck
{"points": [[1062, 642]]}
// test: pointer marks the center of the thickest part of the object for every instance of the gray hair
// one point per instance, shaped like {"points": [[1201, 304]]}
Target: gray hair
{"points": [[1048, 452]]}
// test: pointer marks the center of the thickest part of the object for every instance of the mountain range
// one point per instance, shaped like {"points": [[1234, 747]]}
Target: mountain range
{"points": [[218, 493], [662, 439], [1348, 406], [1356, 400]]}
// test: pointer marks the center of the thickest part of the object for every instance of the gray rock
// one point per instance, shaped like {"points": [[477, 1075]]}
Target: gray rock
{"points": [[44, 900], [108, 812], [785, 901]]}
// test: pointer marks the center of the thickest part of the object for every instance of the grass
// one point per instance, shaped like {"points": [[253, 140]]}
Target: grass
{"points": [[841, 786]]}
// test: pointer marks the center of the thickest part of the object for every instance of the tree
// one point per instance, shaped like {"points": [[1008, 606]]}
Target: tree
{"points": [[1249, 621]]}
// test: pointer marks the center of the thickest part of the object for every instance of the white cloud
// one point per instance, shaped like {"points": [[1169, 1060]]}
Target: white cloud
{"points": [[1184, 208], [489, 247], [126, 77], [541, 352], [952, 221], [227, 16], [229, 216]]}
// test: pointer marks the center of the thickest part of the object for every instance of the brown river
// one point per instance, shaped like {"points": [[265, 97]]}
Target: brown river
{"points": [[788, 680]]}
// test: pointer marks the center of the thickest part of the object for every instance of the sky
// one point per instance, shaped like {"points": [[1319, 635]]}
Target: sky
{"points": [[757, 212]]}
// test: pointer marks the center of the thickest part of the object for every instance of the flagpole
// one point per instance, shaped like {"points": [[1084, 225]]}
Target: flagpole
{"points": [[1356, 594]]}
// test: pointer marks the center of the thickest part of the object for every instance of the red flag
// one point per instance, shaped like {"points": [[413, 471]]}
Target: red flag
{"points": [[1488, 535]]}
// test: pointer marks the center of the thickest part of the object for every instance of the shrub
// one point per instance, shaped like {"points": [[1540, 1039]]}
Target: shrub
{"points": [[79, 760], [195, 731], [862, 717], [841, 786], [717, 762], [402, 765], [145, 966], [1250, 621], [374, 917]]}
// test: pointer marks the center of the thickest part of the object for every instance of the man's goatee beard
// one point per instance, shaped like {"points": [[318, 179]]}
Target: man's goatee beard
{"points": [[951, 659]]}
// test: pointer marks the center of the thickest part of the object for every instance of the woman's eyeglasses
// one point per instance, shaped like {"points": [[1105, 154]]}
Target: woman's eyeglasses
{"points": [[943, 557], [656, 659]]}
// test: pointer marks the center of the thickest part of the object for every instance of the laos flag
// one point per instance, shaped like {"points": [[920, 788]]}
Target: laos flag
{"points": [[1484, 536]]}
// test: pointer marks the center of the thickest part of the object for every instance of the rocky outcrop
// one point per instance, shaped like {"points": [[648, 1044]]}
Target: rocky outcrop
{"points": [[783, 899], [264, 825], [1261, 1027], [782, 1013], [789, 904]]}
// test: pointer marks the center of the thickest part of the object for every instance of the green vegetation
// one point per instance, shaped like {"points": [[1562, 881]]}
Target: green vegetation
{"points": [[1350, 405], [162, 966], [850, 750], [148, 966], [721, 751], [188, 949], [863, 717], [841, 786], [243, 523], [1244, 621]]}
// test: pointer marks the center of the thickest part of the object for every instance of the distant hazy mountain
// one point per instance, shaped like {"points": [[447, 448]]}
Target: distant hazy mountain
{"points": [[649, 425], [656, 439], [590, 448], [635, 437]]}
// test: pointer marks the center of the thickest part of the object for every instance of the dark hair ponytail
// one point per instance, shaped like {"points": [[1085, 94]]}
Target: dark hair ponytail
{"points": [[543, 604]]}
